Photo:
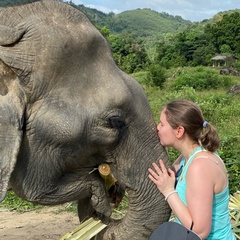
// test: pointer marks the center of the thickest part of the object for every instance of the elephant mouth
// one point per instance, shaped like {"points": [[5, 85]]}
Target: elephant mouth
{"points": [[128, 212], [114, 194], [115, 191]]}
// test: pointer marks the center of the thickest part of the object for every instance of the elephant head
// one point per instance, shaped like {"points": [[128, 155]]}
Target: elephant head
{"points": [[66, 108]]}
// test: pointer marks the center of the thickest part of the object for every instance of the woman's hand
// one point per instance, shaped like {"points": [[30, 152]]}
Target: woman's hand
{"points": [[163, 178]]}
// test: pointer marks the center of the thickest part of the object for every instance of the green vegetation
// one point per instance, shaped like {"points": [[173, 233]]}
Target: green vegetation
{"points": [[152, 22], [200, 78], [140, 22], [156, 75], [193, 46], [12, 202], [143, 37]]}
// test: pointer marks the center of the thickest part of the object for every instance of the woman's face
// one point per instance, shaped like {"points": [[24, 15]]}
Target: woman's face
{"points": [[165, 132]]}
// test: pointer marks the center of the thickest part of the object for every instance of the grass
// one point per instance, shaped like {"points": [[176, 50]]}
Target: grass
{"points": [[13, 202], [120, 211]]}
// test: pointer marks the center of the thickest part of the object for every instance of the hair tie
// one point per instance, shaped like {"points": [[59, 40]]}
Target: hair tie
{"points": [[205, 124]]}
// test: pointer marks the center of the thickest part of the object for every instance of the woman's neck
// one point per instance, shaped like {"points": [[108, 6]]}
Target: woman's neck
{"points": [[188, 149]]}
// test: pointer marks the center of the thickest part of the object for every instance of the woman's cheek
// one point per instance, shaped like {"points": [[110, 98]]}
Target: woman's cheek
{"points": [[160, 135]]}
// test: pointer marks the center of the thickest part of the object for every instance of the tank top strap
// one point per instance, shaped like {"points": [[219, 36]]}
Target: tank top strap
{"points": [[194, 152], [191, 158]]}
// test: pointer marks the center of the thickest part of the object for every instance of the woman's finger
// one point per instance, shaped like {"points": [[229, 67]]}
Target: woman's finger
{"points": [[152, 179], [155, 175], [157, 169], [164, 170]]}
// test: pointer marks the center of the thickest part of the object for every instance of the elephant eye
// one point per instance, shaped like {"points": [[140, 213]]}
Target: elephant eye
{"points": [[116, 122]]}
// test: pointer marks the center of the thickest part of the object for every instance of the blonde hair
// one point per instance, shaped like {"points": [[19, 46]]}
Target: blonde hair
{"points": [[189, 115]]}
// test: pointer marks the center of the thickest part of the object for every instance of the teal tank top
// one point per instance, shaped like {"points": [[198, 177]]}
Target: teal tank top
{"points": [[221, 226]]}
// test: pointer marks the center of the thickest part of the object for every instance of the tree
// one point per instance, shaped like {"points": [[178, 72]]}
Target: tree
{"points": [[129, 52], [105, 31], [156, 75], [225, 33]]}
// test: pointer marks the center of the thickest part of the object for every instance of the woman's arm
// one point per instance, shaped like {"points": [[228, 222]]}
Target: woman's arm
{"points": [[199, 194], [165, 181]]}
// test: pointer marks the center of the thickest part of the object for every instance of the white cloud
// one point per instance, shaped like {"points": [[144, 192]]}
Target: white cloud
{"points": [[103, 9]]}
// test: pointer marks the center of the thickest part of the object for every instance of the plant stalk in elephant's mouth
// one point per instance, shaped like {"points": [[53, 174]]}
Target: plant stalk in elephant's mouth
{"points": [[115, 191], [105, 172]]}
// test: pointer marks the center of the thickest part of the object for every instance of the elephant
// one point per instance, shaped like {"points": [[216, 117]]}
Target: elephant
{"points": [[65, 109]]}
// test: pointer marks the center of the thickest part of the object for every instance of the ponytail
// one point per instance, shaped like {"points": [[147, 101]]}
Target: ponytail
{"points": [[209, 138]]}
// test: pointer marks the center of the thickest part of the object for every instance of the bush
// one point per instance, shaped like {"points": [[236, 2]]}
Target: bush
{"points": [[237, 65], [230, 154], [201, 78], [156, 75]]}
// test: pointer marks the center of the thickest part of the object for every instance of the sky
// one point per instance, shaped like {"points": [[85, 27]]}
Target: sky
{"points": [[193, 10]]}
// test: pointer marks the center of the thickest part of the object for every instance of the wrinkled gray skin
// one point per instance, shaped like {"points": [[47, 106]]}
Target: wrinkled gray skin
{"points": [[65, 108]]}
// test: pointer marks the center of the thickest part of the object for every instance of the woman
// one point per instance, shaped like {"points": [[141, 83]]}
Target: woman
{"points": [[201, 196]]}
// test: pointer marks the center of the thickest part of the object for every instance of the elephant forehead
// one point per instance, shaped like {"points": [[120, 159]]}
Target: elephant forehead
{"points": [[55, 123], [68, 119], [103, 98]]}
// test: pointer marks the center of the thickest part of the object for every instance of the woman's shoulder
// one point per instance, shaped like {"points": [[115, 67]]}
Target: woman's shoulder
{"points": [[205, 156], [199, 164], [209, 167], [204, 163]]}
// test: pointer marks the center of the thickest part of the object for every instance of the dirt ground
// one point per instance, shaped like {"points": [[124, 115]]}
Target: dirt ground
{"points": [[49, 223]]}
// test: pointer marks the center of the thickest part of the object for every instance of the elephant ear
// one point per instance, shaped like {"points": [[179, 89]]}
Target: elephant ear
{"points": [[14, 53], [9, 35], [12, 107]]}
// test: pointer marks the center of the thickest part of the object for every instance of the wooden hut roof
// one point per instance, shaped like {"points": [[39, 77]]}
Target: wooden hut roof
{"points": [[219, 58]]}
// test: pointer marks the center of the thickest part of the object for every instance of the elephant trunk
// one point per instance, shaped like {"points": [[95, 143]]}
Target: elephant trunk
{"points": [[146, 205], [141, 219]]}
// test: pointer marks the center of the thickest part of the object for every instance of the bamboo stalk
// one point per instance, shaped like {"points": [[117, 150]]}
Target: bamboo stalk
{"points": [[85, 231], [105, 172]]}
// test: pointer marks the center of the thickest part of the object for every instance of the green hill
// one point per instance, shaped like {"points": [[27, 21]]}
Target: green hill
{"points": [[219, 16], [146, 22], [142, 22]]}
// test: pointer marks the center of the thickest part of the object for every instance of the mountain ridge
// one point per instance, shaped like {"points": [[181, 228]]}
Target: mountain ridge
{"points": [[144, 22]]}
